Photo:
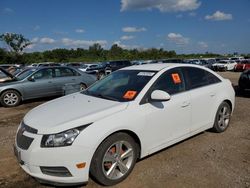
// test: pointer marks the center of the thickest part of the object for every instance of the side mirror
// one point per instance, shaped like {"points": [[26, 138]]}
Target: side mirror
{"points": [[159, 95], [32, 79]]}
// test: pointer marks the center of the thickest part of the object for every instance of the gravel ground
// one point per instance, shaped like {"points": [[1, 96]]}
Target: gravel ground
{"points": [[205, 160]]}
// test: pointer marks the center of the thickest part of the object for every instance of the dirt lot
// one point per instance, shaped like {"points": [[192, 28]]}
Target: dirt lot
{"points": [[205, 160]]}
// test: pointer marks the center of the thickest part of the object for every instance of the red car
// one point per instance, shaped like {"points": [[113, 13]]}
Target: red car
{"points": [[243, 65]]}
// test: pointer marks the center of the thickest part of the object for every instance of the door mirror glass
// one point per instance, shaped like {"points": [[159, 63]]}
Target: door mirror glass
{"points": [[159, 95]]}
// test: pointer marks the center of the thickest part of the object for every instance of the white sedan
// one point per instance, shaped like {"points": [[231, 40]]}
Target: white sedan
{"points": [[225, 65], [126, 116]]}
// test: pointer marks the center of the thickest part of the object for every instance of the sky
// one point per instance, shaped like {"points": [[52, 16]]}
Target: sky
{"points": [[186, 26]]}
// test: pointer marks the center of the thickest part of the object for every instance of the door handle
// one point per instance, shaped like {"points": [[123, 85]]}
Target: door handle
{"points": [[185, 104]]}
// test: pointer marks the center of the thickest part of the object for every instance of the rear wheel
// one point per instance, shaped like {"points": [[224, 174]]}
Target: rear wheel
{"points": [[114, 159], [222, 118], [10, 98]]}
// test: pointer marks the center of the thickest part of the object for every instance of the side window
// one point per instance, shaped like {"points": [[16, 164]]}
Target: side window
{"points": [[43, 74], [171, 81], [57, 72], [65, 72], [212, 79], [195, 77]]}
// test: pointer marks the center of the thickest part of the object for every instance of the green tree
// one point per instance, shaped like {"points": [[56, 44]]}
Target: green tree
{"points": [[16, 42], [115, 52], [96, 50]]}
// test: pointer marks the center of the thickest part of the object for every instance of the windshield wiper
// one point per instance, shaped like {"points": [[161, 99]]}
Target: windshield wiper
{"points": [[86, 92], [105, 97]]}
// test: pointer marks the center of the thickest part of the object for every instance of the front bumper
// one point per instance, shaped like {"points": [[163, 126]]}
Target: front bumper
{"points": [[35, 157]]}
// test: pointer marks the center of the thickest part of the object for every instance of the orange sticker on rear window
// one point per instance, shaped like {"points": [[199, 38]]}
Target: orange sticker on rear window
{"points": [[176, 78], [129, 95]]}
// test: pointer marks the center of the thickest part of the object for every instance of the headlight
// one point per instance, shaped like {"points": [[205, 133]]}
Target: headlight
{"points": [[65, 138]]}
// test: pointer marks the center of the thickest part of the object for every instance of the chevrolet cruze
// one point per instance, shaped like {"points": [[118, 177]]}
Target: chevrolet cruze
{"points": [[134, 112]]}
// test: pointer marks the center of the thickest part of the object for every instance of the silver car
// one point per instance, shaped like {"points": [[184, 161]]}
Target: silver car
{"points": [[41, 82]]}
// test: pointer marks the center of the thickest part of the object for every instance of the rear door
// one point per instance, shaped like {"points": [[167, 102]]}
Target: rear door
{"points": [[203, 88], [65, 76]]}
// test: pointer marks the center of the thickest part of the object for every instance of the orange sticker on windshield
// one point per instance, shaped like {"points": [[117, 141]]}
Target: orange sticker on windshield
{"points": [[129, 95], [176, 78]]}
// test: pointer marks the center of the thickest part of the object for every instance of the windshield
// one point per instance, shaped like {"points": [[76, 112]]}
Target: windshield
{"points": [[123, 85], [25, 73]]}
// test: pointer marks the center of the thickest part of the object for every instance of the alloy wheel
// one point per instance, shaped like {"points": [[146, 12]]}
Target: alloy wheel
{"points": [[117, 160]]}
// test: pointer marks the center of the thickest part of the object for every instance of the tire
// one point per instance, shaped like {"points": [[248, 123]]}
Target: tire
{"points": [[222, 118], [83, 86], [10, 98], [118, 152]]}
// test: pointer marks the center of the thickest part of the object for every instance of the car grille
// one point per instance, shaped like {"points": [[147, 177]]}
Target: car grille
{"points": [[23, 141]]}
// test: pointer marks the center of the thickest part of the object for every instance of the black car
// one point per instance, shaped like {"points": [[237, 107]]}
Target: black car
{"points": [[106, 68], [115, 65], [244, 80]]}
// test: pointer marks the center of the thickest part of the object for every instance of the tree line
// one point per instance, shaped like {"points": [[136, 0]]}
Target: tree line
{"points": [[95, 53]]}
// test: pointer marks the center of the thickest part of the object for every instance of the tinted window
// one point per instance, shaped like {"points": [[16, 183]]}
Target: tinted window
{"points": [[196, 77], [171, 81], [43, 74], [64, 72], [212, 79]]}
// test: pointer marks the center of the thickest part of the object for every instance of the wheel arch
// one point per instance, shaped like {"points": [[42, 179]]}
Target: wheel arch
{"points": [[130, 133], [229, 103]]}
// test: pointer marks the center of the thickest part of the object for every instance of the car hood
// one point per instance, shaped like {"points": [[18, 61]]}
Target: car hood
{"points": [[8, 82], [70, 111]]}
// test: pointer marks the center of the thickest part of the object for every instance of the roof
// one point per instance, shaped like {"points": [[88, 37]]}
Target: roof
{"points": [[152, 67]]}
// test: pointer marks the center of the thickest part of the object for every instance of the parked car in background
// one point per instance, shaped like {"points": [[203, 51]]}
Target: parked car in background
{"points": [[237, 59], [172, 61], [41, 82], [89, 67], [224, 65], [244, 80], [128, 115], [242, 65], [139, 62], [75, 64], [115, 65], [7, 66], [208, 62]]}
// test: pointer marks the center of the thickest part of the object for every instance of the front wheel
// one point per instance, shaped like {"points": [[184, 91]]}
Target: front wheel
{"points": [[222, 118], [10, 98], [114, 159]]}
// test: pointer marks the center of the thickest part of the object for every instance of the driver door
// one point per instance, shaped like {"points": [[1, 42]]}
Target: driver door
{"points": [[167, 121], [40, 84]]}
